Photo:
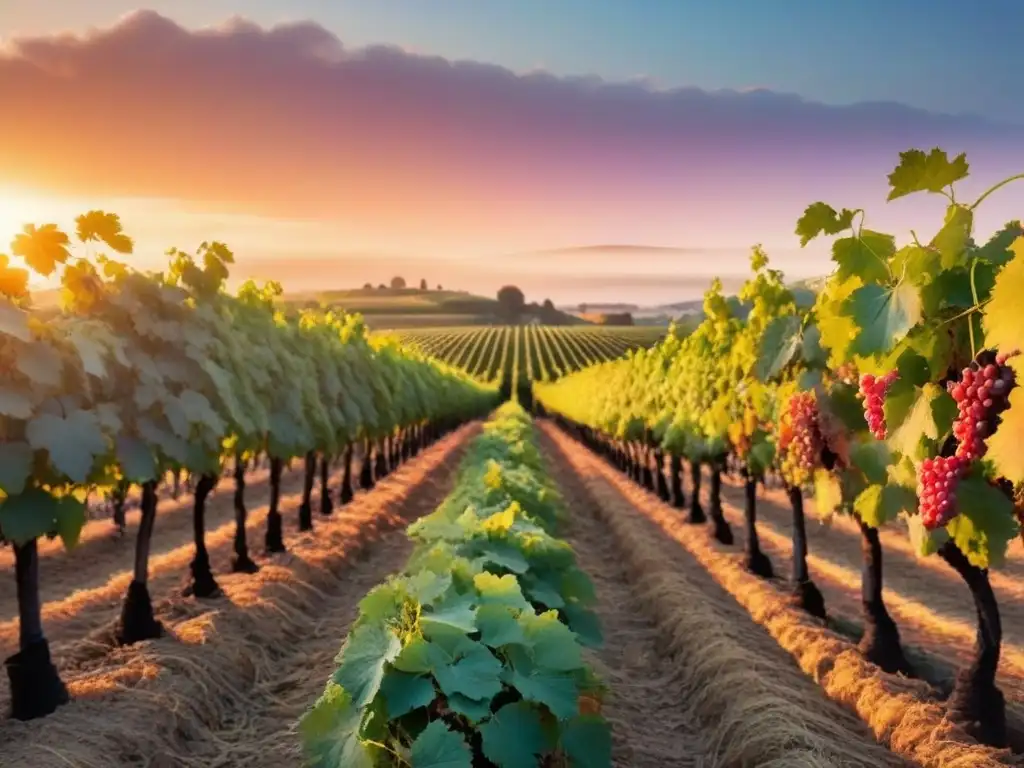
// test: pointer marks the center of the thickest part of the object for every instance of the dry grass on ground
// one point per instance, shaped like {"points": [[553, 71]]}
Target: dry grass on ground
{"points": [[227, 684], [927, 599], [702, 684], [900, 712]]}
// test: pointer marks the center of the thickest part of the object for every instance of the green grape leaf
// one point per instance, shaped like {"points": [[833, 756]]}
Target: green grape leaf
{"points": [[925, 542], [475, 711], [15, 467], [866, 257], [498, 626], [69, 520], [330, 732], [587, 740], [779, 344], [913, 413], [1003, 328], [953, 239], [872, 458], [28, 515], [15, 404], [476, 675], [428, 587], [361, 661], [438, 747], [555, 690], [1004, 447], [918, 172], [458, 615], [499, 590], [828, 494], [811, 350], [998, 251], [552, 643], [73, 442], [585, 623], [14, 322], [420, 656], [137, 462], [40, 363], [883, 315], [404, 692], [878, 504], [515, 737], [986, 524], [820, 218], [916, 264]]}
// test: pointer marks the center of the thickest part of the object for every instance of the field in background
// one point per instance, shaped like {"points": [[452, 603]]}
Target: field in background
{"points": [[523, 353]]}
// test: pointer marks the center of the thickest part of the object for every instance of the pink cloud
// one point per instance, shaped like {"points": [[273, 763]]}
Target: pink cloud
{"points": [[288, 121]]}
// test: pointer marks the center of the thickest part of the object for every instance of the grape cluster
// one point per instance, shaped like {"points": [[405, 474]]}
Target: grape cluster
{"points": [[801, 443], [872, 392], [981, 395], [937, 479]]}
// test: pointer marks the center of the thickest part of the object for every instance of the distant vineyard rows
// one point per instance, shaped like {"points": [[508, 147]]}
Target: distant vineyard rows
{"points": [[530, 352]]}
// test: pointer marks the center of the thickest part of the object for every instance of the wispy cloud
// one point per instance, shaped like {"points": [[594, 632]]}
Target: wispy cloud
{"points": [[286, 121]]}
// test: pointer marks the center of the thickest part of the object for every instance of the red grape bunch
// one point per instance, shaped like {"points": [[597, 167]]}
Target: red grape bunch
{"points": [[801, 441], [937, 480], [981, 395], [872, 392]]}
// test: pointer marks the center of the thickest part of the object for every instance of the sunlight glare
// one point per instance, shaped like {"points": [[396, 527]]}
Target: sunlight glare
{"points": [[18, 207]]}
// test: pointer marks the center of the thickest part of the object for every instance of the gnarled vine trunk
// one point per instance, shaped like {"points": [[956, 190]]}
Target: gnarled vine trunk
{"points": [[881, 642], [203, 584], [976, 702], [326, 505], [137, 621], [346, 494], [661, 486], [806, 592], [118, 497], [755, 561], [381, 468], [366, 470], [646, 474], [274, 540], [241, 562], [36, 687], [675, 464], [308, 479], [719, 525], [697, 516]]}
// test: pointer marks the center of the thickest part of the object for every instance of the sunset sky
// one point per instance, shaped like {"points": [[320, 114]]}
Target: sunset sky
{"points": [[333, 143]]}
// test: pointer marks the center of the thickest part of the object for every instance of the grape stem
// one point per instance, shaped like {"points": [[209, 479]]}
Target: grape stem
{"points": [[995, 187]]}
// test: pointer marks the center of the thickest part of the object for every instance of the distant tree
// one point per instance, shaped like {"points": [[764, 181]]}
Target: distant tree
{"points": [[440, 287], [511, 302], [583, 309], [398, 283], [423, 285], [382, 287], [548, 314], [616, 318], [367, 286]]}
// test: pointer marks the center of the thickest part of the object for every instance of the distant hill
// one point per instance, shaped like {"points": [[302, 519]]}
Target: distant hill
{"points": [[413, 307]]}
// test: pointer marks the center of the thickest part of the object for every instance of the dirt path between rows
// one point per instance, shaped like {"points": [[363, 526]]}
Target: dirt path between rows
{"points": [[694, 680]]}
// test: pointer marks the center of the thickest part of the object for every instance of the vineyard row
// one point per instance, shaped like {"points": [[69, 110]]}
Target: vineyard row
{"points": [[527, 353]]}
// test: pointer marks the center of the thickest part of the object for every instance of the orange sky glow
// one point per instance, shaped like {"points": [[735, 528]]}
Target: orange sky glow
{"points": [[324, 166]]}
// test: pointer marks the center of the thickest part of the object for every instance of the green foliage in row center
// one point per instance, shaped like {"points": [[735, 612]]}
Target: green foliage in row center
{"points": [[476, 649]]}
